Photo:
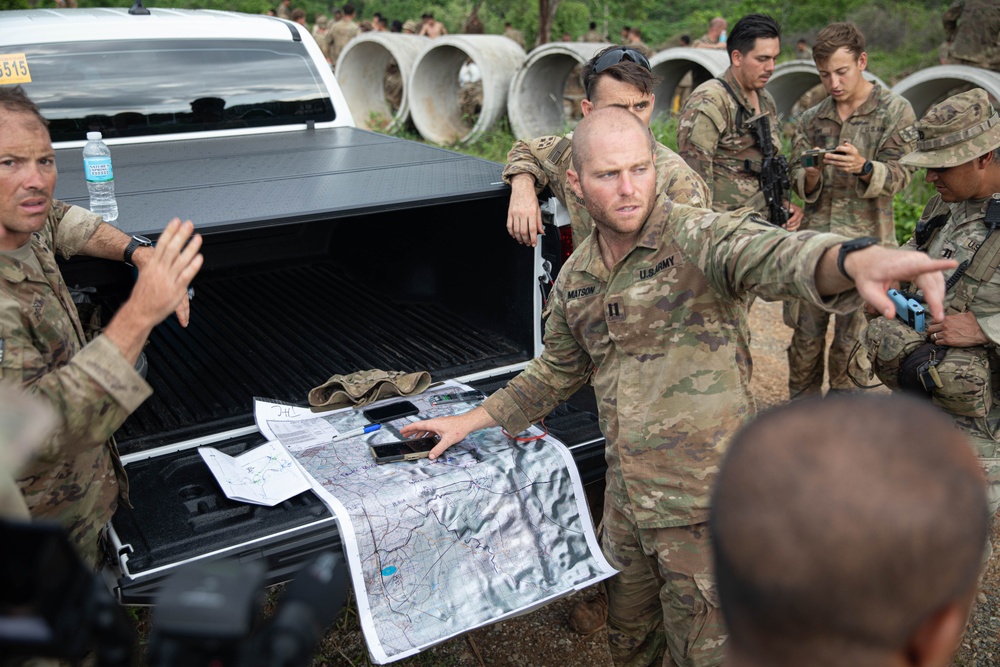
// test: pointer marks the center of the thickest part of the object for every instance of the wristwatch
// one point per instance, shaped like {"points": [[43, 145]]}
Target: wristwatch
{"points": [[136, 242], [866, 168], [848, 247]]}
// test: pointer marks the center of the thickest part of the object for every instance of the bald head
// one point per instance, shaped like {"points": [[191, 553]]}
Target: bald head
{"points": [[843, 525], [716, 26], [605, 122]]}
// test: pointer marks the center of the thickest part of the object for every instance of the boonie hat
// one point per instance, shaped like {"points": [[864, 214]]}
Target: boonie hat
{"points": [[955, 131], [410, 26]]}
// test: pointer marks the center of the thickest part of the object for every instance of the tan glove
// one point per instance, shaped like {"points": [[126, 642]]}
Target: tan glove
{"points": [[364, 387]]}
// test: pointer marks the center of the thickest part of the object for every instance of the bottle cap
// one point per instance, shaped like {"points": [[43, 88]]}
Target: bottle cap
{"points": [[93, 136]]}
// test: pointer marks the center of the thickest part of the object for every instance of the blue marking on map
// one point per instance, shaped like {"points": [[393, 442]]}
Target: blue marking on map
{"points": [[389, 571]]}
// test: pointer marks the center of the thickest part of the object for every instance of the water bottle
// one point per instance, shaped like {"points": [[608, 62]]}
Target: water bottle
{"points": [[100, 177], [722, 37]]}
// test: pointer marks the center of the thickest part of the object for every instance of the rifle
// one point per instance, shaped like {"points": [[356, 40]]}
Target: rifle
{"points": [[773, 175]]}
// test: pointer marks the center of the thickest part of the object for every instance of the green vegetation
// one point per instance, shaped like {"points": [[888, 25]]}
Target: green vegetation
{"points": [[494, 144], [902, 35], [909, 204]]}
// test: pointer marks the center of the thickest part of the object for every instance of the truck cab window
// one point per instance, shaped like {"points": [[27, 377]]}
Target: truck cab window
{"points": [[186, 86]]}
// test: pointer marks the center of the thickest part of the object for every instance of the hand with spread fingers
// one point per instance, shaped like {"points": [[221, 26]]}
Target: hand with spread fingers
{"points": [[161, 287]]}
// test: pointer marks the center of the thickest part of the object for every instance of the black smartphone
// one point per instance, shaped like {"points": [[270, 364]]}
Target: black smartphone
{"points": [[404, 450], [814, 157], [386, 413]]}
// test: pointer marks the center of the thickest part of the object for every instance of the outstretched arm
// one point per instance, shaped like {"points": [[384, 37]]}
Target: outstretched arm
{"points": [[876, 268]]}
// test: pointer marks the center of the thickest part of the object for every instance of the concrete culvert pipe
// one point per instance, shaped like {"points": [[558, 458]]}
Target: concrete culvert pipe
{"points": [[543, 98], [927, 87], [791, 82], [437, 99], [373, 71], [672, 64]]}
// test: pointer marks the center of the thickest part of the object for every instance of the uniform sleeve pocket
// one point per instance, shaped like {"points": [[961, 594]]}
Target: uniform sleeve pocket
{"points": [[11, 359]]}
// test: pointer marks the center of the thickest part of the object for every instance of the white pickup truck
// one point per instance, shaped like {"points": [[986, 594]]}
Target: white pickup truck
{"points": [[328, 249]]}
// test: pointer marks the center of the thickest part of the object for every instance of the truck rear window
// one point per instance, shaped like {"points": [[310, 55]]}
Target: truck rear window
{"points": [[161, 87]]}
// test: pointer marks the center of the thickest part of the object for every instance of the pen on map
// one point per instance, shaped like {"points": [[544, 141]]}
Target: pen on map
{"points": [[356, 431]]}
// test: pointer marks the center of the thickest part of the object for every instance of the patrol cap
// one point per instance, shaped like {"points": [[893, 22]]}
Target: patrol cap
{"points": [[410, 26], [955, 131]]}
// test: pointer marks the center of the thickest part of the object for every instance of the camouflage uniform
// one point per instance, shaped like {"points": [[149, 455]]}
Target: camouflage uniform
{"points": [[952, 133], [972, 28], [881, 129], [594, 37], [665, 335], [392, 86], [337, 37], [958, 239], [549, 158], [514, 35], [711, 142], [642, 48], [704, 41], [76, 478]]}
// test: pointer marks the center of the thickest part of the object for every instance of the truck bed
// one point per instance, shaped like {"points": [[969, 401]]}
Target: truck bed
{"points": [[366, 252], [275, 334]]}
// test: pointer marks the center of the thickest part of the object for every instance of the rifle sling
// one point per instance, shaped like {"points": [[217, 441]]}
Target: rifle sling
{"points": [[743, 113]]}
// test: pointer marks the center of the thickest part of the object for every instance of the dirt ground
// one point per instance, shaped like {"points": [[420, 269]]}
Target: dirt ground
{"points": [[543, 638]]}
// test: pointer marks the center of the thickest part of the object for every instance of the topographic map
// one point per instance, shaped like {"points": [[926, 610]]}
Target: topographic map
{"points": [[439, 548]]}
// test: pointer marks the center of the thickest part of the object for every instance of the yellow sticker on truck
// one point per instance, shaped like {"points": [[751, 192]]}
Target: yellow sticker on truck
{"points": [[14, 69]]}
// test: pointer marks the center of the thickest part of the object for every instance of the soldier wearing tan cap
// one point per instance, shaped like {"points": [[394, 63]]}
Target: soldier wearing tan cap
{"points": [[956, 362]]}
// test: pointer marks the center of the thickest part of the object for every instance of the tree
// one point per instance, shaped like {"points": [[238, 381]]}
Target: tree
{"points": [[546, 17]]}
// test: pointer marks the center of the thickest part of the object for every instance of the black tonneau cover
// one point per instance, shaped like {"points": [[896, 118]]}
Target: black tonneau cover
{"points": [[252, 181]]}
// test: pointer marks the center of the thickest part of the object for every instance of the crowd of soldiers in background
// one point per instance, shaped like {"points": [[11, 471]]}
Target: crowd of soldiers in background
{"points": [[963, 45], [964, 40]]}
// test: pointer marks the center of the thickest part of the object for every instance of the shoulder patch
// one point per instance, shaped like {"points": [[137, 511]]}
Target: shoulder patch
{"points": [[545, 142], [909, 134], [561, 148]]}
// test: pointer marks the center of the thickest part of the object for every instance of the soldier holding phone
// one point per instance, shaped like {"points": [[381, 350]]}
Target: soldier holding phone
{"points": [[846, 168]]}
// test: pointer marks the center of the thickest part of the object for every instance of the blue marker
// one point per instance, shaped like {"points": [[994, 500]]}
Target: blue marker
{"points": [[371, 428]]}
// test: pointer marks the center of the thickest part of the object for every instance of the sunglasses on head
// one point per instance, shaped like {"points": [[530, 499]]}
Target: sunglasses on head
{"points": [[617, 55]]}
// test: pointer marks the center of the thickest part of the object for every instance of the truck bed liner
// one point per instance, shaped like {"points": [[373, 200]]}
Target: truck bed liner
{"points": [[275, 334]]}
